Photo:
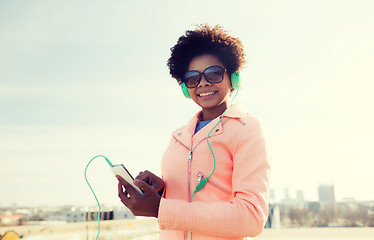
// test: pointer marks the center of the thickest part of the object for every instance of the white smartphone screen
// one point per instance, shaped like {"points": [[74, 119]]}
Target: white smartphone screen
{"points": [[122, 171]]}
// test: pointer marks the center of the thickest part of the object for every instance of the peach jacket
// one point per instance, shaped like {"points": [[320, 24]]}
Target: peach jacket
{"points": [[234, 202]]}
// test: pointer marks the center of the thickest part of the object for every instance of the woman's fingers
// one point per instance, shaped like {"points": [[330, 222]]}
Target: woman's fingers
{"points": [[124, 196], [126, 192], [144, 186], [145, 204]]}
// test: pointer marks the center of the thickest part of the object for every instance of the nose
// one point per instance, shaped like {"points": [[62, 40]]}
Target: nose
{"points": [[203, 82]]}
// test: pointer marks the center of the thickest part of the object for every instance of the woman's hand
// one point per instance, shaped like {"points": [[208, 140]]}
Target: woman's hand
{"points": [[152, 180], [145, 204]]}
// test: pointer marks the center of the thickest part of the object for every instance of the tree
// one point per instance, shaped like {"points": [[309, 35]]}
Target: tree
{"points": [[297, 215], [327, 215]]}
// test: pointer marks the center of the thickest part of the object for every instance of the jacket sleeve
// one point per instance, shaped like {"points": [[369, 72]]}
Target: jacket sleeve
{"points": [[246, 213]]}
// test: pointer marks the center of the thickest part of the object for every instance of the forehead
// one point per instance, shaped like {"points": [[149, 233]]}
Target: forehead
{"points": [[200, 63]]}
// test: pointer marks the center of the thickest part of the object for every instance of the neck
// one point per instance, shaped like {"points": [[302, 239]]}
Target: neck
{"points": [[210, 114]]}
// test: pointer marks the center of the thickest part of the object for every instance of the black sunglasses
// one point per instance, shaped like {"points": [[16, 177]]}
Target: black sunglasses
{"points": [[213, 74]]}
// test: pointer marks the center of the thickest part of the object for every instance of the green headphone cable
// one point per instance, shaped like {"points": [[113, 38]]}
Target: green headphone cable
{"points": [[205, 180], [85, 176]]}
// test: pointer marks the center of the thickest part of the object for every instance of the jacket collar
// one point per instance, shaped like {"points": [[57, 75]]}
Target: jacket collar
{"points": [[185, 135], [235, 111]]}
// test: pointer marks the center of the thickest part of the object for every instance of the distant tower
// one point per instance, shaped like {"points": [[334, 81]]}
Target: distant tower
{"points": [[300, 196], [272, 196], [326, 194], [286, 194], [273, 220]]}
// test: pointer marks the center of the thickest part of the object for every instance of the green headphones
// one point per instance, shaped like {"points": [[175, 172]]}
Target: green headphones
{"points": [[235, 83]]}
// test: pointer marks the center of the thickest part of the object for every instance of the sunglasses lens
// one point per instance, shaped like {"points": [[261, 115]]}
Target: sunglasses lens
{"points": [[191, 78], [214, 74]]}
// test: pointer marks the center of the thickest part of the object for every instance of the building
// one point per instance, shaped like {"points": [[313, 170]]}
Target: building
{"points": [[273, 220], [287, 194], [82, 215], [272, 196], [75, 216], [11, 220], [326, 195], [300, 196], [313, 207]]}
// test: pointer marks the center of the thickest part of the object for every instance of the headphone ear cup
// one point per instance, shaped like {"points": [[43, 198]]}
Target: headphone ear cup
{"points": [[185, 91], [235, 81]]}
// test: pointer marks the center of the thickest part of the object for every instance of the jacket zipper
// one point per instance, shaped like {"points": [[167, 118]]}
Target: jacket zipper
{"points": [[189, 164], [201, 177], [189, 175], [189, 171]]}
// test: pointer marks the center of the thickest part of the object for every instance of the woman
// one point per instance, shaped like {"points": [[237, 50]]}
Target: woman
{"points": [[215, 171]]}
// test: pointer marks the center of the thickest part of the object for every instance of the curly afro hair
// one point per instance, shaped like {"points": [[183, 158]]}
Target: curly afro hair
{"points": [[206, 40]]}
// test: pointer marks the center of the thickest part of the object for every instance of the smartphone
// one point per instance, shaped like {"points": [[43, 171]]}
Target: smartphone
{"points": [[120, 170]]}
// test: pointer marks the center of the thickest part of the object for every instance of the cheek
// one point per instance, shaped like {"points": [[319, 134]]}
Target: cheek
{"points": [[191, 93], [226, 87], [226, 83]]}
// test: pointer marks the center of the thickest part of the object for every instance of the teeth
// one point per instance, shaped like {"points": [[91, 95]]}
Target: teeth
{"points": [[205, 94]]}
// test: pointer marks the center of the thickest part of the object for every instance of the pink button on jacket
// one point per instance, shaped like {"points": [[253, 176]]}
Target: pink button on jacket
{"points": [[234, 202]]}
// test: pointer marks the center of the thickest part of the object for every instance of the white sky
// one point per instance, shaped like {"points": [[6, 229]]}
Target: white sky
{"points": [[81, 78]]}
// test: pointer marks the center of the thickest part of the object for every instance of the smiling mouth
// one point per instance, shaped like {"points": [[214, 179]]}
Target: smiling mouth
{"points": [[205, 94]]}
